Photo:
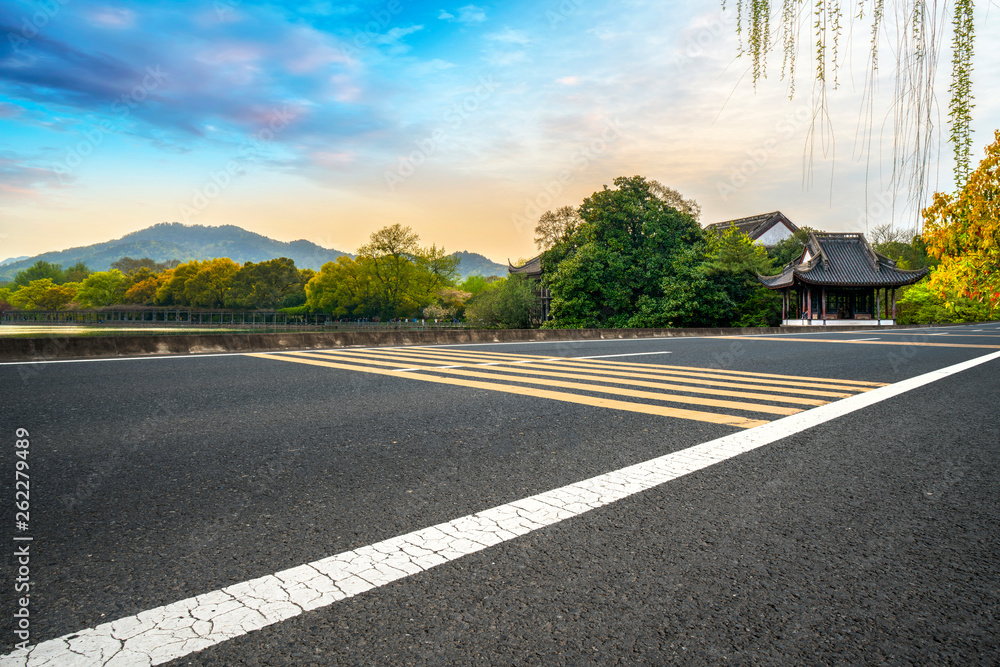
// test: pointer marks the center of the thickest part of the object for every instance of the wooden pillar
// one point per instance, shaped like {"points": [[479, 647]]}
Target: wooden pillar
{"points": [[784, 304], [809, 303], [822, 303], [893, 303]]}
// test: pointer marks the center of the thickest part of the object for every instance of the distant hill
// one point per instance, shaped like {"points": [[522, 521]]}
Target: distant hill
{"points": [[172, 240], [474, 264]]}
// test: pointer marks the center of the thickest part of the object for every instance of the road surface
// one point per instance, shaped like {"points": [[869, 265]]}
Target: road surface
{"points": [[460, 504]]}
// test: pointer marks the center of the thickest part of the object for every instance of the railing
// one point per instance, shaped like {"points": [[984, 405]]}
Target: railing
{"points": [[180, 319]]}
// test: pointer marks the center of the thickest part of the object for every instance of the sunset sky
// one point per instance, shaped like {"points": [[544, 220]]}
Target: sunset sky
{"points": [[327, 121]]}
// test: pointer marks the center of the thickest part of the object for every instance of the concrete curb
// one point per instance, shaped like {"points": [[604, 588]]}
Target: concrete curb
{"points": [[95, 347]]}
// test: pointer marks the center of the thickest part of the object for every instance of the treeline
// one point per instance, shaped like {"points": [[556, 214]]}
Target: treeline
{"points": [[392, 277], [636, 256]]}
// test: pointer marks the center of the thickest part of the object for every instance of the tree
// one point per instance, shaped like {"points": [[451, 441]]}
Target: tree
{"points": [[508, 303], [789, 249], [621, 252], [474, 285], [128, 265], [390, 253], [174, 281], [143, 291], [344, 288], [918, 31], [555, 226], [963, 231], [909, 252], [40, 270], [271, 284], [209, 287], [104, 288], [42, 294], [734, 262], [77, 273]]}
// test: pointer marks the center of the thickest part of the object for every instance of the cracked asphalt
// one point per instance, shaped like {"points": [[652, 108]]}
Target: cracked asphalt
{"points": [[868, 539]]}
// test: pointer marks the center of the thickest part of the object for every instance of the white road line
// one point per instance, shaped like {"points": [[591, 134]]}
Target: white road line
{"points": [[166, 633], [630, 354]]}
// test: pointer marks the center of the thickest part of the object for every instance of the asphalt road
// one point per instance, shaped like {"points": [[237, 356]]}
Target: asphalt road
{"points": [[868, 539]]}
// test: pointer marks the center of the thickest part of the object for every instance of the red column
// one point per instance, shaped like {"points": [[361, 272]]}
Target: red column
{"points": [[809, 303]]}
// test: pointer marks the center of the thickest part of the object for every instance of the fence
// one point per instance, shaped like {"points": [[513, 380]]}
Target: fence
{"points": [[182, 318]]}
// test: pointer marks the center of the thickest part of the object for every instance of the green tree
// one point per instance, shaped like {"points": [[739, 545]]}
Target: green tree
{"points": [[390, 254], [172, 289], [209, 287], [40, 270], [556, 226], [275, 283], [621, 253], [42, 294], [104, 288], [77, 273], [344, 288], [789, 249], [508, 303], [474, 285]]}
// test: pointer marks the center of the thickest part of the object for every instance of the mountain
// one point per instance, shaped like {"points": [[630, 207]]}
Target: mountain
{"points": [[172, 240], [474, 264]]}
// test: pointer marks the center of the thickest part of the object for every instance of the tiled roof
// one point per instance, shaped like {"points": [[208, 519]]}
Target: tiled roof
{"points": [[844, 260], [755, 225], [532, 268]]}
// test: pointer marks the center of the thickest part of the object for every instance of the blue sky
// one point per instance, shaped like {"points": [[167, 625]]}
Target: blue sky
{"points": [[329, 120]]}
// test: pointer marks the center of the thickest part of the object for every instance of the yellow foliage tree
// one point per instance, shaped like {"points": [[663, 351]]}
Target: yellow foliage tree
{"points": [[963, 231]]}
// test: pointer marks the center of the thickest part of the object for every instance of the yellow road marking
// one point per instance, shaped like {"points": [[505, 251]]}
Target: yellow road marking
{"points": [[696, 378], [562, 366], [639, 365], [943, 333], [644, 408], [679, 375], [870, 342], [739, 373], [532, 370]]}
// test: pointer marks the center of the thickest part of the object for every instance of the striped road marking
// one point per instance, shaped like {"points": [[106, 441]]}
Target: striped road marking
{"points": [[167, 633], [903, 343], [733, 398]]}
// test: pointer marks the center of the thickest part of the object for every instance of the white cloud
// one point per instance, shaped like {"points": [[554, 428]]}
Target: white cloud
{"points": [[466, 14], [430, 67], [568, 80], [110, 17], [508, 36]]}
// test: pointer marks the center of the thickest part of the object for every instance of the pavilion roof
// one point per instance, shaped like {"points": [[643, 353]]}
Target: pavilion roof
{"points": [[842, 260], [753, 226], [532, 268]]}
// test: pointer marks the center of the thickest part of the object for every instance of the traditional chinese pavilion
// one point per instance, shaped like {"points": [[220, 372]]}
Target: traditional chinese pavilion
{"points": [[839, 279], [533, 270]]}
